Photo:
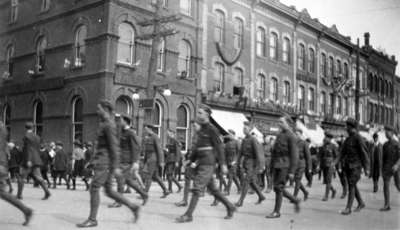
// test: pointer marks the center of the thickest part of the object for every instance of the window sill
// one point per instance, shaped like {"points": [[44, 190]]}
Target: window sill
{"points": [[12, 23], [126, 65], [37, 74], [77, 67], [261, 57], [189, 16]]}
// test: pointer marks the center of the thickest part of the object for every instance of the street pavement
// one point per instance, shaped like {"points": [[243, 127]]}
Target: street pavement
{"points": [[65, 208]]}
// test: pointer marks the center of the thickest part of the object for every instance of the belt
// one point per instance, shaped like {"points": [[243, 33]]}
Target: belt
{"points": [[206, 148]]}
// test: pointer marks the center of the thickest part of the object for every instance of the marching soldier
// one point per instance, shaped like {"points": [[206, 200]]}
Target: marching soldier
{"points": [[251, 159], [284, 161], [232, 149], [376, 161], [31, 161], [172, 159], [339, 166], [304, 164], [105, 165], [268, 169], [153, 159], [203, 160], [390, 164], [328, 154], [354, 154]]}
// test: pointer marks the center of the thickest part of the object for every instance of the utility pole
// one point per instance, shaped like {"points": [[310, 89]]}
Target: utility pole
{"points": [[357, 93]]}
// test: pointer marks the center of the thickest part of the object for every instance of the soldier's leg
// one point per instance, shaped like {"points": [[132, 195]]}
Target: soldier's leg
{"points": [[351, 195], [186, 187], [157, 178], [297, 179], [38, 177], [230, 180], [175, 180], [148, 175], [386, 194], [169, 171], [268, 173], [10, 187], [219, 197], [245, 188], [253, 184], [23, 174], [278, 186], [343, 182]]}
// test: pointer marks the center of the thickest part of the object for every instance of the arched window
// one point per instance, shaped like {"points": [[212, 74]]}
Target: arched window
{"points": [[339, 105], [274, 89], [376, 113], [260, 86], [161, 56], [238, 77], [184, 58], [260, 44], [182, 126], [376, 83], [361, 111], [338, 67], [330, 66], [273, 46], [370, 82], [14, 11], [123, 105], [301, 98], [80, 47], [238, 33], [346, 106], [220, 26], [346, 71], [286, 50], [301, 57], [330, 104], [126, 43], [77, 119], [219, 77], [382, 86], [323, 103], [323, 65], [9, 60], [157, 118], [40, 54], [38, 117], [311, 60], [186, 7], [311, 99], [7, 119], [286, 92]]}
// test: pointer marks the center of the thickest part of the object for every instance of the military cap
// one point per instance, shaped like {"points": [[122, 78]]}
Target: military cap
{"points": [[59, 143], [107, 105], [29, 125], [389, 128], [351, 122], [205, 108], [328, 134]]}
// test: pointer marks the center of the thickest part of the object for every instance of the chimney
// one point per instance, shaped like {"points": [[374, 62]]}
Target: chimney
{"points": [[366, 38]]}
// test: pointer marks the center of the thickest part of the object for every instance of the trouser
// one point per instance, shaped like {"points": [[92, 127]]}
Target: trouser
{"points": [[396, 178], [387, 176], [128, 178], [203, 177], [268, 172], [297, 179], [35, 172], [59, 174], [8, 197], [328, 174], [152, 173], [232, 178], [189, 175], [103, 177], [221, 179], [170, 171], [353, 176], [13, 172], [44, 172], [249, 180], [343, 182], [280, 176]]}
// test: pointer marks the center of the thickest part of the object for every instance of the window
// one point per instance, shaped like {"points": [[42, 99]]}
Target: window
{"points": [[164, 3], [220, 26], [157, 118], [346, 106], [338, 68], [382, 86], [274, 89], [80, 36], [301, 98], [301, 57], [186, 7], [40, 54], [260, 44], [238, 33], [182, 126], [77, 119], [123, 105], [126, 43], [370, 82], [286, 92], [260, 86], [323, 103], [7, 119], [330, 66], [219, 77], [286, 51], [14, 11], [161, 56], [273, 46], [9, 60], [45, 5], [38, 118], [339, 105], [311, 60], [376, 113], [184, 58], [346, 70], [238, 77], [376, 83], [311, 99], [331, 104], [323, 65]]}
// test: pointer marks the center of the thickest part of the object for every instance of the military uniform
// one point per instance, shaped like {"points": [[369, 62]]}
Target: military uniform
{"points": [[390, 158], [251, 159], [328, 155], [231, 154], [172, 159], [268, 166], [303, 164]]}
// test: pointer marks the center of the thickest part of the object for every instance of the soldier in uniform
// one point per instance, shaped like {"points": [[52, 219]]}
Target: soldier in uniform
{"points": [[390, 164], [232, 149], [268, 143], [153, 159], [284, 161], [339, 166], [105, 165], [304, 164], [31, 161], [172, 159], [251, 159], [354, 154], [4, 176], [376, 161], [327, 156], [60, 164], [204, 159]]}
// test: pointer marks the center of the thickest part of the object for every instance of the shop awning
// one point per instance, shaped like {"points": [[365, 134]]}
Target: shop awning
{"points": [[229, 120]]}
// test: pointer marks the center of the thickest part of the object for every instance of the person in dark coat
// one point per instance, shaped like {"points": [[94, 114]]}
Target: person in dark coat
{"points": [[354, 155], [46, 159], [105, 163], [31, 161], [390, 164], [327, 156], [14, 160], [172, 158], [375, 157], [60, 165], [251, 159], [232, 149], [284, 161], [4, 175], [208, 151], [304, 164]]}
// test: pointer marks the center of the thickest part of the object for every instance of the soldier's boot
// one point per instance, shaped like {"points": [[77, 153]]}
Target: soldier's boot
{"points": [[375, 186], [257, 189], [230, 208], [20, 188], [229, 186], [350, 200], [73, 184], [278, 204], [86, 183], [188, 216], [169, 184], [269, 184], [214, 203], [237, 183], [243, 194], [327, 188], [344, 192], [292, 199], [176, 182], [333, 192], [360, 202], [10, 187], [305, 192], [54, 183]]}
